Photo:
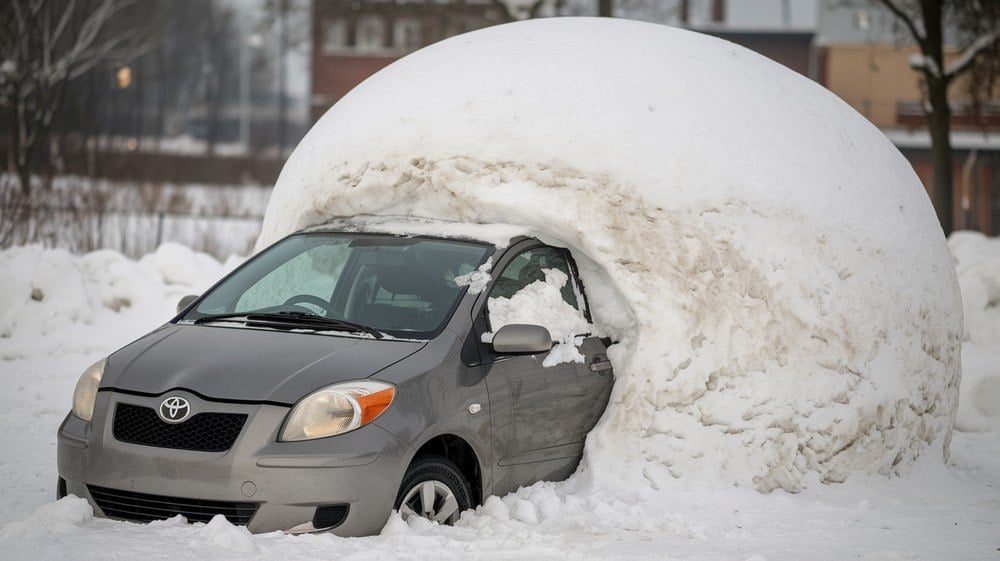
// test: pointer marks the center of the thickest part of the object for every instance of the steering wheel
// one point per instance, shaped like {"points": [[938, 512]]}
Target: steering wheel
{"points": [[310, 299]]}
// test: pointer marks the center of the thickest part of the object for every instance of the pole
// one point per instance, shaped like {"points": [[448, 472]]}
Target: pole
{"points": [[282, 49], [245, 95]]}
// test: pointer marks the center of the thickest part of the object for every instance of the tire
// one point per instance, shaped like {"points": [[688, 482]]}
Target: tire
{"points": [[435, 478]]}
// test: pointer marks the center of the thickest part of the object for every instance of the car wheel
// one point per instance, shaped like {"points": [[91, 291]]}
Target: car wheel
{"points": [[433, 488]]}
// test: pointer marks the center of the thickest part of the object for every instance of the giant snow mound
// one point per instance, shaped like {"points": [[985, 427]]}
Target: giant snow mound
{"points": [[788, 302]]}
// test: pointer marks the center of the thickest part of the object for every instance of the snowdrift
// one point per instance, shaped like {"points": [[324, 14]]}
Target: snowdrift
{"points": [[783, 296], [978, 262], [48, 293]]}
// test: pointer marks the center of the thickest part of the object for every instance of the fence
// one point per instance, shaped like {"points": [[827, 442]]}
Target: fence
{"points": [[82, 218]]}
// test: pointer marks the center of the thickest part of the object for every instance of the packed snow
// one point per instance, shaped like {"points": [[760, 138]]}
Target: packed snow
{"points": [[934, 512], [769, 262]]}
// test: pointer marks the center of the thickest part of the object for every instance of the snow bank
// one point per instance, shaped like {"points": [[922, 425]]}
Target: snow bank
{"points": [[789, 304], [977, 259], [49, 292], [50, 521]]}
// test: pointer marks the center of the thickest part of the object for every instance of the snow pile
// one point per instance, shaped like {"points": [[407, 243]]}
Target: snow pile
{"points": [[50, 521], [977, 259], [771, 265], [223, 535], [45, 292]]}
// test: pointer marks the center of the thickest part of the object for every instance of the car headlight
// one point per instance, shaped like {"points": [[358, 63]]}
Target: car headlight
{"points": [[86, 390], [337, 409]]}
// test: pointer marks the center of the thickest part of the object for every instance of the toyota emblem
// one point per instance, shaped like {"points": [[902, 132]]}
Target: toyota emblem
{"points": [[174, 409]]}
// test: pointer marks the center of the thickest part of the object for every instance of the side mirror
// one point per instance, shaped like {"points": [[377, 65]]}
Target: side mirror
{"points": [[521, 338], [185, 302]]}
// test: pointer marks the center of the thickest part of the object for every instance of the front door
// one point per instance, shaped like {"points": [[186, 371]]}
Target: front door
{"points": [[541, 413]]}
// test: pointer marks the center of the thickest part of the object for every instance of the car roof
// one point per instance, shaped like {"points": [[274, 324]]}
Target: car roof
{"points": [[377, 230]]}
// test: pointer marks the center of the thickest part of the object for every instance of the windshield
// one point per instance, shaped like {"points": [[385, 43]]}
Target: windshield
{"points": [[404, 287]]}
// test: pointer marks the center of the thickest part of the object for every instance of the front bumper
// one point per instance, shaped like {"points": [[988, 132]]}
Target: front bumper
{"points": [[287, 481]]}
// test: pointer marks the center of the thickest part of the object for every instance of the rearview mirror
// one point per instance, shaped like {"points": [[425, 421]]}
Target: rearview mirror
{"points": [[185, 302], [522, 338]]}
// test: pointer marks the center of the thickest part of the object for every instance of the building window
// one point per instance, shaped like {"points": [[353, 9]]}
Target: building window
{"points": [[335, 37], [370, 35], [406, 33]]}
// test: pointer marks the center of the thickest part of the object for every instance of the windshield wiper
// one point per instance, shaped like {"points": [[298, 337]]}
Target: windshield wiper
{"points": [[294, 319], [216, 317], [312, 321]]}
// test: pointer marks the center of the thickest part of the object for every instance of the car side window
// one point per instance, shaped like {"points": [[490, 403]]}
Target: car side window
{"points": [[529, 268]]}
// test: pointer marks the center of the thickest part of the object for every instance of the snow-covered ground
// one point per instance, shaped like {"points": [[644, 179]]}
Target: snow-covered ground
{"points": [[934, 512]]}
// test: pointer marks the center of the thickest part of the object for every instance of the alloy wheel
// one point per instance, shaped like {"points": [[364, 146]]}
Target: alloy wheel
{"points": [[432, 500]]}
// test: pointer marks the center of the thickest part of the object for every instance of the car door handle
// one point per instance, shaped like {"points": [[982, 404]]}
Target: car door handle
{"points": [[600, 364]]}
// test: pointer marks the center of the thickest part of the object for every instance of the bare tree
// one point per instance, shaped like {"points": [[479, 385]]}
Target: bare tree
{"points": [[45, 44], [976, 25]]}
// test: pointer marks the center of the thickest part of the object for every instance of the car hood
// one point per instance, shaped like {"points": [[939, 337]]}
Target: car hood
{"points": [[231, 363]]}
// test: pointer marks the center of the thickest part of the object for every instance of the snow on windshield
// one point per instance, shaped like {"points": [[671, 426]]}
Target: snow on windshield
{"points": [[783, 296]]}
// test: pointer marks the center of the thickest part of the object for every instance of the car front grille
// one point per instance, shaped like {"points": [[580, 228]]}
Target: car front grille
{"points": [[204, 432], [144, 508]]}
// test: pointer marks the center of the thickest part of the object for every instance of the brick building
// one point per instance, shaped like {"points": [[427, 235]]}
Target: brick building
{"points": [[353, 39]]}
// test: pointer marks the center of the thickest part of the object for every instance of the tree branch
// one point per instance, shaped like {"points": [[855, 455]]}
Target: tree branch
{"points": [[925, 63], [61, 26], [919, 35], [970, 53]]}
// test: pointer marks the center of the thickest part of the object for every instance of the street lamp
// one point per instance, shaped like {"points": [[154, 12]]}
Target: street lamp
{"points": [[254, 41]]}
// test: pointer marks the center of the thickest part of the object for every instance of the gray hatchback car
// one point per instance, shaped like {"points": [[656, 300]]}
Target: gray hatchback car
{"points": [[332, 378]]}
